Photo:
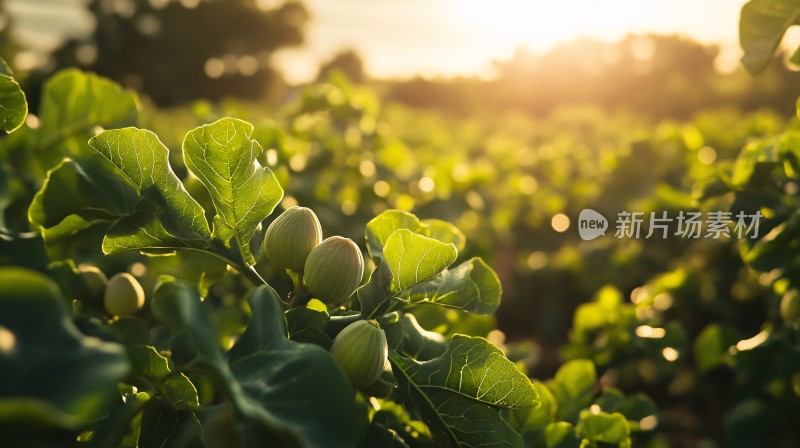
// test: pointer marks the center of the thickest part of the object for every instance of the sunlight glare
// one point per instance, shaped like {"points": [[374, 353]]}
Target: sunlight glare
{"points": [[541, 24]]}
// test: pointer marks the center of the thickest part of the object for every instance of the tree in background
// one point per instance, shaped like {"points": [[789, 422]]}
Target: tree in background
{"points": [[348, 62], [179, 51]]}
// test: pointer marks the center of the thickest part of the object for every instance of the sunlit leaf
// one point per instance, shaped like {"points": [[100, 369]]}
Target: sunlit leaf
{"points": [[74, 103], [143, 161], [380, 228], [223, 156], [458, 393], [13, 106], [414, 258], [472, 286], [761, 28]]}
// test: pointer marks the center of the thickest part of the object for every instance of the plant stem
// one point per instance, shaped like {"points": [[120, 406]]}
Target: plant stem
{"points": [[300, 295]]}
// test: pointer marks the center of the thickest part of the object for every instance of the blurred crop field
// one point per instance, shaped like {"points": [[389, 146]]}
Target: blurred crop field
{"points": [[508, 135]]}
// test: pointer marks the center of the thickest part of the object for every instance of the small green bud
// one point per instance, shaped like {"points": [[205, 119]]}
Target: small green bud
{"points": [[95, 283], [124, 295], [333, 270], [291, 237], [790, 307], [361, 351]]}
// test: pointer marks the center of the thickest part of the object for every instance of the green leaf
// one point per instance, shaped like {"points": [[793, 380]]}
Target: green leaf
{"points": [[573, 388], [458, 393], [74, 103], [414, 258], [606, 428], [375, 297], [472, 286], [47, 365], [712, 345], [305, 324], [380, 228], [293, 392], [143, 161], [445, 232], [539, 417], [164, 427], [761, 28], [91, 191], [131, 330], [410, 339], [149, 367], [561, 435], [13, 106], [778, 248], [224, 157]]}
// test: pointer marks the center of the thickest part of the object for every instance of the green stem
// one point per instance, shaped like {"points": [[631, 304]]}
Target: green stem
{"points": [[300, 296]]}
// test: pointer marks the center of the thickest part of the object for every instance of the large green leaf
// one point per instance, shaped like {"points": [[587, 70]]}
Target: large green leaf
{"points": [[288, 391], [414, 258], [165, 206], [761, 28], [472, 286], [380, 228], [75, 103], [458, 394], [91, 191], [13, 106], [50, 373], [224, 157]]}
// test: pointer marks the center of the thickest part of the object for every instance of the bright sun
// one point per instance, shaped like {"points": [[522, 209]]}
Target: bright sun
{"points": [[540, 24]]}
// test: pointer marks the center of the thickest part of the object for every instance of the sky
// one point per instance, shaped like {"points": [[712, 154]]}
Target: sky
{"points": [[461, 37], [404, 38]]}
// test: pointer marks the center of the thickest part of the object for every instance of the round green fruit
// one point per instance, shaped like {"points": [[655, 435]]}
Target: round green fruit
{"points": [[790, 307], [291, 237], [94, 281], [124, 295], [333, 270], [361, 351]]}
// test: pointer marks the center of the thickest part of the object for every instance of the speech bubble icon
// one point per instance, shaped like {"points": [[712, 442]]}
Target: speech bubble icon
{"points": [[591, 224]]}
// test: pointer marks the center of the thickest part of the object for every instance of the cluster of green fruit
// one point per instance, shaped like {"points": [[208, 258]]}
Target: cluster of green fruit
{"points": [[330, 270], [122, 295]]}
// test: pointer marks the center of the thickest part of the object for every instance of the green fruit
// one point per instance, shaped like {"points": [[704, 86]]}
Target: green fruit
{"points": [[291, 237], [94, 281], [790, 307], [361, 351], [124, 295], [333, 270]]}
